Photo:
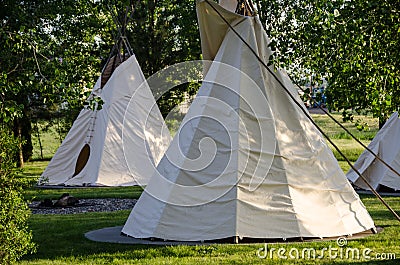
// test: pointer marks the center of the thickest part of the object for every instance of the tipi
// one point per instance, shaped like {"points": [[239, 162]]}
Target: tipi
{"points": [[246, 162], [386, 145], [114, 145]]}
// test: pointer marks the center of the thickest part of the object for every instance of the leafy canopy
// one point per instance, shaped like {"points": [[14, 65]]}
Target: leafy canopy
{"points": [[352, 43]]}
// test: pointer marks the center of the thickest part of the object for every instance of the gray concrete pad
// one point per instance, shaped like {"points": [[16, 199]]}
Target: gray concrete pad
{"points": [[113, 235]]}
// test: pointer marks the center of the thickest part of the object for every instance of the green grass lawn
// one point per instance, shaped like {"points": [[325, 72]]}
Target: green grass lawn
{"points": [[60, 238], [335, 132], [85, 193], [33, 170]]}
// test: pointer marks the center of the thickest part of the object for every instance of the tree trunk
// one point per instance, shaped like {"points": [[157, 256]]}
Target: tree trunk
{"points": [[27, 147], [18, 135], [39, 140], [22, 131], [59, 128]]}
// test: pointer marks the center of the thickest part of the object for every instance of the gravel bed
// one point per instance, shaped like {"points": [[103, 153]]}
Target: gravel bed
{"points": [[86, 206]]}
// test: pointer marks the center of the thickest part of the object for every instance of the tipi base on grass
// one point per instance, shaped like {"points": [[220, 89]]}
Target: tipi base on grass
{"points": [[114, 235]]}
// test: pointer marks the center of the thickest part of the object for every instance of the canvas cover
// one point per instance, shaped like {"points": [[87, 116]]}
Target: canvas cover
{"points": [[120, 154], [386, 145], [246, 161]]}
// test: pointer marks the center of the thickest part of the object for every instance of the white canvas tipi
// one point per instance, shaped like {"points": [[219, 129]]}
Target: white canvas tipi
{"points": [[246, 162], [386, 145], [112, 146]]}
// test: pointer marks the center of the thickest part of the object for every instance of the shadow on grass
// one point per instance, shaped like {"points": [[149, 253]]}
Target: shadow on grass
{"points": [[38, 194], [61, 240], [62, 236]]}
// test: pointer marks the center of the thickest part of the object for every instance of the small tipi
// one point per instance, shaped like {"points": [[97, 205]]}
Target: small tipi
{"points": [[113, 145], [386, 144], [246, 162]]}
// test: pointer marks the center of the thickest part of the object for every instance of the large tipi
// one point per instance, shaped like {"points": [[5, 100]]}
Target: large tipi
{"points": [[246, 162], [386, 145], [113, 145]]}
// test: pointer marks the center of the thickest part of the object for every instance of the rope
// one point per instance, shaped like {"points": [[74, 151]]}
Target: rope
{"points": [[305, 112], [344, 128], [352, 135], [90, 130]]}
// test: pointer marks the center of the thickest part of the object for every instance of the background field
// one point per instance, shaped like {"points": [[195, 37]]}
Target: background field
{"points": [[50, 139], [61, 240]]}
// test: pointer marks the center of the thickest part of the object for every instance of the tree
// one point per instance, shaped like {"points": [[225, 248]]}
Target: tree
{"points": [[165, 32], [48, 59], [354, 44], [53, 52], [15, 237]]}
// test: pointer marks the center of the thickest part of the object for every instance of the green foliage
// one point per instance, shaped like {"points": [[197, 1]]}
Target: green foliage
{"points": [[15, 238], [48, 56], [94, 103], [163, 33], [361, 125], [52, 53], [353, 44]]}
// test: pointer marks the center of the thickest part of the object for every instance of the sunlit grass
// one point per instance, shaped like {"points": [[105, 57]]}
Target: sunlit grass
{"points": [[34, 169], [61, 241], [350, 148], [334, 131]]}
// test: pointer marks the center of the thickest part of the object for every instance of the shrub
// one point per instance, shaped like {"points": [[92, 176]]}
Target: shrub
{"points": [[15, 237]]}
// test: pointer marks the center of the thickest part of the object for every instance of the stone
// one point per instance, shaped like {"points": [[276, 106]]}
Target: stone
{"points": [[66, 200], [46, 203]]}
